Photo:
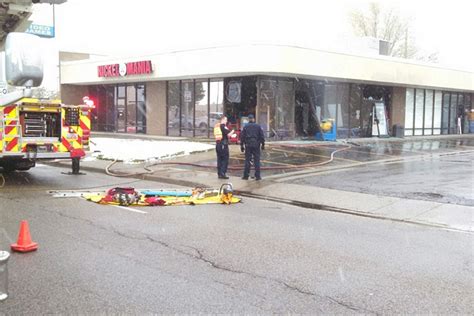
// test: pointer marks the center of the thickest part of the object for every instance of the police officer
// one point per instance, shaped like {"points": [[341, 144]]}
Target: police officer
{"points": [[221, 133], [251, 140]]}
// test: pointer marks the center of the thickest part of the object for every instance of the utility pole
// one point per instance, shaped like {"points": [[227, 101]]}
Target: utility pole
{"points": [[406, 43]]}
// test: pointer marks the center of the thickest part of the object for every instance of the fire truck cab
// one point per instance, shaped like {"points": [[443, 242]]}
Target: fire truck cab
{"points": [[34, 129]]}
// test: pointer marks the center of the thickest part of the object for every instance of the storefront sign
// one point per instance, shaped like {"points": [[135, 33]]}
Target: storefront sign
{"points": [[125, 69], [41, 30], [188, 96]]}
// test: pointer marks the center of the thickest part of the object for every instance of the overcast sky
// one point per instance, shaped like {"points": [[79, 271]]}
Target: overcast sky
{"points": [[140, 27]]}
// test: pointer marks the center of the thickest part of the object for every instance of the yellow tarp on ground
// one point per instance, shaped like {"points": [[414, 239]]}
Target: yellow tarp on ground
{"points": [[169, 200]]}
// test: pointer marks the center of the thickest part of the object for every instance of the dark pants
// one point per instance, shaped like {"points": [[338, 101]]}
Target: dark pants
{"points": [[222, 151], [252, 154]]}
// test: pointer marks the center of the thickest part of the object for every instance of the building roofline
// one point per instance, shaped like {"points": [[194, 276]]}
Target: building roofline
{"points": [[274, 59], [368, 56]]}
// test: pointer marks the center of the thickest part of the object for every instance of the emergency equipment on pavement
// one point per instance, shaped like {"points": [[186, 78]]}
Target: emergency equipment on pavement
{"points": [[197, 196]]}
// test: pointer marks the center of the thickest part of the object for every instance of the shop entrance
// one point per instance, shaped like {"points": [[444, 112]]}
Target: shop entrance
{"points": [[308, 100], [130, 109], [374, 109], [356, 110], [271, 100], [276, 107], [120, 108]]}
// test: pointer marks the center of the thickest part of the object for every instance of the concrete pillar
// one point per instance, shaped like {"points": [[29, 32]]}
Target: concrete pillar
{"points": [[398, 106], [156, 108]]}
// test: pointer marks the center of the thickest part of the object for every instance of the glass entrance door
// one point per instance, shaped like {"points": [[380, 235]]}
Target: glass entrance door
{"points": [[120, 101], [141, 109], [130, 109]]}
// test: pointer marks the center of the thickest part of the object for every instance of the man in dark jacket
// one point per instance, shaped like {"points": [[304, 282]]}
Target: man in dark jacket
{"points": [[251, 140]]}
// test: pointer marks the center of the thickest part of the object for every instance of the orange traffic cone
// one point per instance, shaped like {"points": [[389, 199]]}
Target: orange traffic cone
{"points": [[24, 243]]}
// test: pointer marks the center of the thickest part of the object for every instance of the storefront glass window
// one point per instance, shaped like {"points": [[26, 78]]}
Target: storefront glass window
{"points": [[437, 113], [121, 91], [266, 106], [467, 101], [201, 107], [355, 114], [467, 110], [409, 111], [121, 109], [330, 102], [216, 105], [460, 113], [445, 114], [343, 110], [187, 109], [431, 112], [306, 117], [174, 108], [141, 109], [131, 109], [428, 112], [461, 100], [453, 118], [285, 110], [109, 108], [419, 110]]}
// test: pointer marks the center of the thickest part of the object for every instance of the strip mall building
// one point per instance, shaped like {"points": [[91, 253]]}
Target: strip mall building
{"points": [[290, 90]]}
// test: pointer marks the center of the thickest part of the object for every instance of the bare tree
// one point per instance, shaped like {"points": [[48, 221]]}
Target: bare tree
{"points": [[386, 24]]}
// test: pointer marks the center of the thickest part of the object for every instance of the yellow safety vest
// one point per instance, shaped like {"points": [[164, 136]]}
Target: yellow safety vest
{"points": [[218, 132]]}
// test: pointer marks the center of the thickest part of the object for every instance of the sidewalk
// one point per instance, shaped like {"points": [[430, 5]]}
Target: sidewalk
{"points": [[449, 216]]}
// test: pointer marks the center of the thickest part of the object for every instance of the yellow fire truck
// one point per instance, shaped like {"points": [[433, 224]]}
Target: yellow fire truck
{"points": [[34, 129]]}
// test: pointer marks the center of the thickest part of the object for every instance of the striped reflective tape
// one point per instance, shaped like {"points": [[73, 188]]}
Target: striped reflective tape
{"points": [[11, 131], [85, 123], [11, 128], [12, 144], [10, 111]]}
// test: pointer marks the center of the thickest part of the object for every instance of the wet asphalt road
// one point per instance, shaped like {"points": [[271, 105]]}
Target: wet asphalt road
{"points": [[440, 170], [255, 257], [446, 177]]}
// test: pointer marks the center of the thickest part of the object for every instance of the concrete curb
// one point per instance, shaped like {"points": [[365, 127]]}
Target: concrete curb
{"points": [[327, 208]]}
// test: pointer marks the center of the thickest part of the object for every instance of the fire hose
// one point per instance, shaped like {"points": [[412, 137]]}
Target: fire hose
{"points": [[232, 168]]}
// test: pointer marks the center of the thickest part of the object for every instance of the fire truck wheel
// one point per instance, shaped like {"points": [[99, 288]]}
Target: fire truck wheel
{"points": [[7, 168]]}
